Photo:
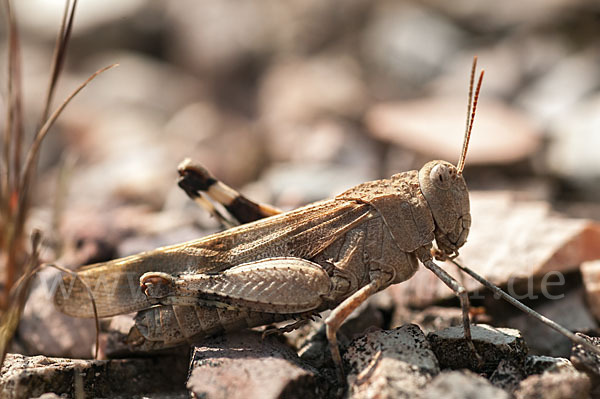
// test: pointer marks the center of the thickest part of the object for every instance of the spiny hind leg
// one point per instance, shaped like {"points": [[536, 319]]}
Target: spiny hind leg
{"points": [[197, 182], [337, 317]]}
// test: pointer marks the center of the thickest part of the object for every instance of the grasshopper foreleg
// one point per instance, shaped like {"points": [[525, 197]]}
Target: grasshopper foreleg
{"points": [[463, 296]]}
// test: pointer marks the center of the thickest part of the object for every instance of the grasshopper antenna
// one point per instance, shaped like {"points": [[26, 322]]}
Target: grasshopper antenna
{"points": [[471, 107], [555, 326]]}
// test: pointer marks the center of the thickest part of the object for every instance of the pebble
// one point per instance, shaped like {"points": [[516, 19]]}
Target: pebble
{"points": [[492, 345], [390, 364], [242, 365]]}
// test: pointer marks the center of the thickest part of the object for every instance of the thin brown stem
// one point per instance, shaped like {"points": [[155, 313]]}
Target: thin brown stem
{"points": [[59, 56]]}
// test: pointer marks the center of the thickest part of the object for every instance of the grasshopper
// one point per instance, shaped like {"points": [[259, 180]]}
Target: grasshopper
{"points": [[277, 266]]}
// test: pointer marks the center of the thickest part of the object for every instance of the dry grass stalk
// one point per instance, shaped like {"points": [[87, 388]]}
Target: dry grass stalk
{"points": [[17, 177]]}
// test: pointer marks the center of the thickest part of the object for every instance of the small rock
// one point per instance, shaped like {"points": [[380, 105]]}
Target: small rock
{"points": [[89, 16], [509, 15], [48, 395], [243, 365], [395, 32], [43, 329], [429, 319], [460, 385], [301, 90], [502, 133], [508, 374], [554, 385], [555, 94], [567, 309], [311, 340], [314, 348], [590, 271], [539, 364], [572, 139], [492, 344], [24, 376], [390, 364], [586, 361]]}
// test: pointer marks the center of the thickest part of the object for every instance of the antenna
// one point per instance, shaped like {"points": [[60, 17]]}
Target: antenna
{"points": [[470, 114]]}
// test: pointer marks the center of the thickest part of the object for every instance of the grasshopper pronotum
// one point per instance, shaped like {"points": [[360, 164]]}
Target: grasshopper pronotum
{"points": [[331, 254]]}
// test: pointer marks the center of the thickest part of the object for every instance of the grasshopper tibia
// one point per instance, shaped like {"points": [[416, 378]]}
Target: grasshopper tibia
{"points": [[196, 180], [337, 317]]}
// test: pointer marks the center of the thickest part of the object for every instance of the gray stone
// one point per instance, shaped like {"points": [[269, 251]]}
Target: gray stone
{"points": [[462, 384], [492, 345], [390, 364], [555, 385], [395, 32], [567, 307], [586, 361], [243, 365], [539, 364], [430, 319], [24, 376], [555, 93], [508, 374], [573, 139], [43, 329]]}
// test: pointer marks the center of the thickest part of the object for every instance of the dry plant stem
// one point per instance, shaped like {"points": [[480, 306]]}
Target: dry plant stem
{"points": [[92, 300], [28, 172], [29, 168], [60, 51], [9, 321], [13, 124], [10, 241], [555, 326]]}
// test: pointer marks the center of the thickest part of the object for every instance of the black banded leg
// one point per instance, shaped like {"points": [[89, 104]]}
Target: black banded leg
{"points": [[195, 180]]}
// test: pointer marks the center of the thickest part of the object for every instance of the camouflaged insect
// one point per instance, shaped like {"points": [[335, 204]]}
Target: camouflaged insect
{"points": [[331, 254]]}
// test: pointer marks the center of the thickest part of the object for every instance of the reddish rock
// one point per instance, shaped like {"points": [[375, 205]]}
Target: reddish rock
{"points": [[243, 365]]}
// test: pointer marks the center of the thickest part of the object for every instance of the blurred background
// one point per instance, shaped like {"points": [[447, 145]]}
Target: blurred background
{"points": [[296, 101]]}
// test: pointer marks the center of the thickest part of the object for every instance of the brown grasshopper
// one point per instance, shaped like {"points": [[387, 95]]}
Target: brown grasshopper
{"points": [[331, 254]]}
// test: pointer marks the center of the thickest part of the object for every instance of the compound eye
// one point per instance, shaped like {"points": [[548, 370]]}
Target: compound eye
{"points": [[441, 175]]}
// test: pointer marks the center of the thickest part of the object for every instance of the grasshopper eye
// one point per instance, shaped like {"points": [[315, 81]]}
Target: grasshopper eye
{"points": [[441, 176]]}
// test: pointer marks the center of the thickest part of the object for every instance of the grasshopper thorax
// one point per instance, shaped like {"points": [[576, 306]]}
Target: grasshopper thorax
{"points": [[445, 190]]}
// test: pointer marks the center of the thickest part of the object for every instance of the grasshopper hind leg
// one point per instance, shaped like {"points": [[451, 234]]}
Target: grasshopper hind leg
{"points": [[337, 317], [197, 182]]}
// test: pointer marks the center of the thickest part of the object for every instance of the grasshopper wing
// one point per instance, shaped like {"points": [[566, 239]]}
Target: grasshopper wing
{"points": [[274, 285], [301, 233]]}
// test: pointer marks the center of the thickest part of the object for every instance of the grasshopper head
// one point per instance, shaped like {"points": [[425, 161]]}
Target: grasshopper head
{"points": [[446, 193]]}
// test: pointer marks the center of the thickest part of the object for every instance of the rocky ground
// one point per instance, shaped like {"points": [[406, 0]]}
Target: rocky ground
{"points": [[293, 102]]}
